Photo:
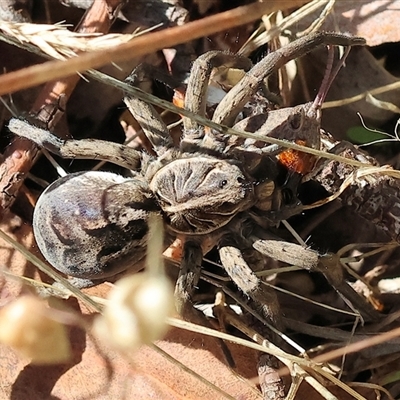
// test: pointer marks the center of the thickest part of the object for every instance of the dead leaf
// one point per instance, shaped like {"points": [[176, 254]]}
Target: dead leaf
{"points": [[375, 20]]}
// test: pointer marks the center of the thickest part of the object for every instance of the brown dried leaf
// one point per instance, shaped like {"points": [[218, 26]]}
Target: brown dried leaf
{"points": [[375, 20], [100, 373]]}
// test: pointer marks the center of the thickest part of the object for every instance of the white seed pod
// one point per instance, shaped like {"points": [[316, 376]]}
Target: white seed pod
{"points": [[136, 311], [27, 326]]}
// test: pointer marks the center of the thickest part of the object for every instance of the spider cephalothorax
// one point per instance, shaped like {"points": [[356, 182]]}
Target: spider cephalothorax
{"points": [[182, 186]]}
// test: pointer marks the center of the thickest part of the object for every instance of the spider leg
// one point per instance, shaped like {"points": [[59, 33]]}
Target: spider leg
{"points": [[329, 265], [196, 92], [238, 269], [194, 135], [82, 149], [265, 301], [271, 383], [145, 114], [186, 283], [234, 101], [188, 278]]}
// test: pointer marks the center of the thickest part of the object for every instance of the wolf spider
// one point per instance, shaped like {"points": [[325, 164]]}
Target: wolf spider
{"points": [[93, 225]]}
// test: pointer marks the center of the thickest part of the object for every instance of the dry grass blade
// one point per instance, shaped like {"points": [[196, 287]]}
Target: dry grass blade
{"points": [[377, 388], [355, 177], [361, 96], [177, 323], [139, 46], [298, 366], [319, 304], [260, 39], [357, 346], [301, 366]]}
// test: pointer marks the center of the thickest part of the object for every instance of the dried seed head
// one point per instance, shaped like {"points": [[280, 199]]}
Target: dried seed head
{"points": [[136, 312], [27, 326]]}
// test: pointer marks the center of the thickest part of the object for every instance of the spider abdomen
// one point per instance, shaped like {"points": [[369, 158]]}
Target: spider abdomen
{"points": [[200, 194], [93, 224]]}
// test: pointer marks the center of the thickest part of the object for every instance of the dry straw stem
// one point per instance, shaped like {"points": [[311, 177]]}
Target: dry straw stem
{"points": [[362, 96], [298, 374], [355, 177], [358, 346], [261, 37], [303, 366], [142, 45]]}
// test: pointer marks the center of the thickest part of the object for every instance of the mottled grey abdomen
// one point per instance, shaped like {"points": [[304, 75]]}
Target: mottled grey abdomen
{"points": [[93, 224]]}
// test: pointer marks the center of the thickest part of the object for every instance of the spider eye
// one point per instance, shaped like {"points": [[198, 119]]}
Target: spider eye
{"points": [[295, 121], [223, 183]]}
